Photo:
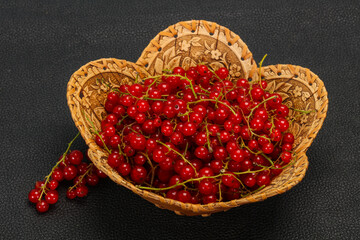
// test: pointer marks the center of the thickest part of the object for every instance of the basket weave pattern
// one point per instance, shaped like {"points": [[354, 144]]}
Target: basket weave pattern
{"points": [[187, 44]]}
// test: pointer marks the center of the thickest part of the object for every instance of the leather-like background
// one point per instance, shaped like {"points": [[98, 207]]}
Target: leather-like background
{"points": [[43, 43]]}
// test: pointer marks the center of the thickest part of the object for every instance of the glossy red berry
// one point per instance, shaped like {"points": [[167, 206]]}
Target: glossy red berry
{"points": [[58, 174], [70, 172], [138, 174], [52, 197], [34, 195], [53, 184], [82, 191], [124, 169], [187, 172], [92, 179], [42, 206], [76, 157], [250, 181], [262, 179], [183, 196], [71, 194], [209, 199], [285, 157]]}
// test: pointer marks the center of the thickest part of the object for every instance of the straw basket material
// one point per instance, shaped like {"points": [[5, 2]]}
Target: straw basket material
{"points": [[187, 44]]}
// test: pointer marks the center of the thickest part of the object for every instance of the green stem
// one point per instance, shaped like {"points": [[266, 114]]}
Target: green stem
{"points": [[252, 110], [170, 149], [302, 111], [82, 176], [212, 100], [260, 65], [47, 178], [97, 133], [155, 99], [257, 190], [267, 158]]}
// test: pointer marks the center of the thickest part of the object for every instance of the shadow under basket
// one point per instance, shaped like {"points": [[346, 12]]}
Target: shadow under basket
{"points": [[186, 44]]}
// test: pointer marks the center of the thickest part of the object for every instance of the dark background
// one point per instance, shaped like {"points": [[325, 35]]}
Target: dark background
{"points": [[42, 44]]}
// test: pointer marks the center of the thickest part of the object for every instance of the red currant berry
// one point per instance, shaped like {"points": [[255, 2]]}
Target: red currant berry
{"points": [[222, 73], [285, 157], [34, 195], [82, 191], [58, 174], [100, 173], [53, 184], [42, 206], [288, 138], [124, 169], [70, 172], [138, 174], [52, 197], [114, 160], [187, 172], [92, 180], [276, 170], [172, 194], [209, 199], [71, 194], [250, 181], [262, 179], [76, 157], [184, 196]]}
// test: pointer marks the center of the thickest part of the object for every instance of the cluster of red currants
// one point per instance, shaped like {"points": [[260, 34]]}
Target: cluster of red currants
{"points": [[70, 167], [195, 136]]}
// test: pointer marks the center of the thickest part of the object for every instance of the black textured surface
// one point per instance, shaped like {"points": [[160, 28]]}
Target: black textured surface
{"points": [[42, 44]]}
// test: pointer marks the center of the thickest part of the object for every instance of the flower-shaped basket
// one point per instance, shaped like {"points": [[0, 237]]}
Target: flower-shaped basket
{"points": [[186, 44]]}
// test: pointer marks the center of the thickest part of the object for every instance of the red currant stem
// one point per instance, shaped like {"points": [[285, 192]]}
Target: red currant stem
{"points": [[186, 148], [155, 99], [207, 137], [250, 171], [252, 110], [239, 181], [170, 149], [184, 183], [122, 132], [254, 134], [220, 195], [218, 137], [122, 119], [152, 168], [89, 169], [96, 132], [137, 78], [226, 166], [244, 145], [102, 81], [47, 178], [257, 190], [260, 65], [272, 123], [287, 165], [204, 89], [179, 183], [213, 72], [302, 111], [139, 133], [267, 158], [183, 77], [212, 100], [115, 90]]}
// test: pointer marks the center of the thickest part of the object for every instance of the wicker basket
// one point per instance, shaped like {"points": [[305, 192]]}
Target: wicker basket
{"points": [[186, 44]]}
